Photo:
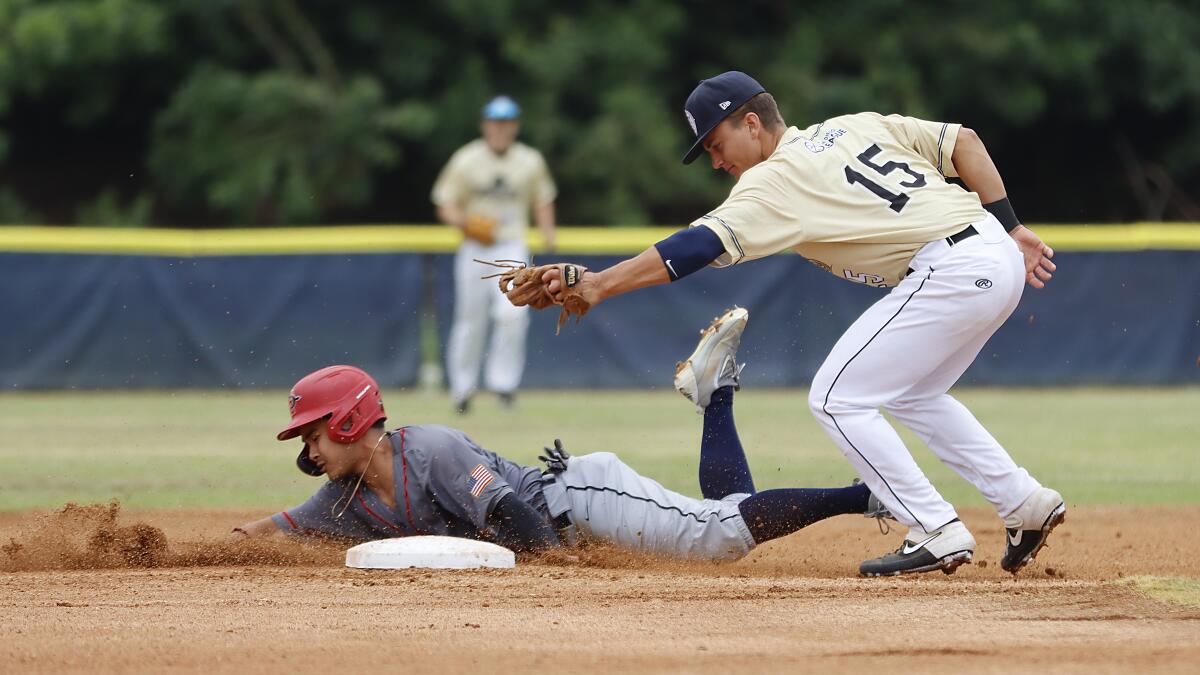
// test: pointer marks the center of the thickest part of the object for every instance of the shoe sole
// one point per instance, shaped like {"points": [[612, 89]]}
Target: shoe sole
{"points": [[1056, 518], [947, 564], [706, 335]]}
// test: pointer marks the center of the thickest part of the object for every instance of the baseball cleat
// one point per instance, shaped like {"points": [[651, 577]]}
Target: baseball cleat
{"points": [[1029, 526], [713, 365], [943, 549]]}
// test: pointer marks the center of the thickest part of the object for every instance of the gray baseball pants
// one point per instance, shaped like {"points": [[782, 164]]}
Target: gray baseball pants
{"points": [[608, 501]]}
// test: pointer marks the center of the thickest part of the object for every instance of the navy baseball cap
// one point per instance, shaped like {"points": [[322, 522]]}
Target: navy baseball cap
{"points": [[711, 102], [501, 108]]}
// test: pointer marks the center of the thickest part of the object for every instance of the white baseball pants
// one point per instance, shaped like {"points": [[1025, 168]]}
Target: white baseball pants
{"points": [[902, 355], [478, 303]]}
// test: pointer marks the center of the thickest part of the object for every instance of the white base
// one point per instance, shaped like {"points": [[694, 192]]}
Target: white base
{"points": [[429, 551]]}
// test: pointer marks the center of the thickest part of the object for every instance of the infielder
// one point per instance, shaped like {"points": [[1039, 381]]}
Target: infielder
{"points": [[487, 190], [865, 197], [429, 479]]}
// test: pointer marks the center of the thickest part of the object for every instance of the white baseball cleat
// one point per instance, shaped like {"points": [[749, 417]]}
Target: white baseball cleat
{"points": [[713, 365], [1028, 527], [943, 549]]}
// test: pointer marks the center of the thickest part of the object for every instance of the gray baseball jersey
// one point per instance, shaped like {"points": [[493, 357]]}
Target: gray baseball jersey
{"points": [[445, 484]]}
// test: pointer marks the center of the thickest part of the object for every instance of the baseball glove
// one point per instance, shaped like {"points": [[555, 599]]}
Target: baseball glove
{"points": [[523, 286], [480, 228]]}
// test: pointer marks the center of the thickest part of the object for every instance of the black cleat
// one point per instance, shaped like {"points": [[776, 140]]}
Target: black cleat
{"points": [[944, 549], [1044, 510]]}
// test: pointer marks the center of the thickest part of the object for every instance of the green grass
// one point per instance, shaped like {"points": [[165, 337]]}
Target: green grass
{"points": [[214, 449], [1179, 590]]}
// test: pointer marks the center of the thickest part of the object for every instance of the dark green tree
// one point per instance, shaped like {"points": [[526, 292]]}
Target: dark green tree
{"points": [[238, 112]]}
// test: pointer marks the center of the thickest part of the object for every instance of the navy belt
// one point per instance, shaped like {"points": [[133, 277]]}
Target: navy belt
{"points": [[967, 232], [956, 238]]}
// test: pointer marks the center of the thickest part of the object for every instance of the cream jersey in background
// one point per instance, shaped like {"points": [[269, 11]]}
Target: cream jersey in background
{"points": [[857, 195], [504, 187]]}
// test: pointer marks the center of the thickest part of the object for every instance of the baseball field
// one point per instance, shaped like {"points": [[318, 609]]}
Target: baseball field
{"points": [[142, 582]]}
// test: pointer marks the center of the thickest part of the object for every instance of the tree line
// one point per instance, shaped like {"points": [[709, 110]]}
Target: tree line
{"points": [[217, 113]]}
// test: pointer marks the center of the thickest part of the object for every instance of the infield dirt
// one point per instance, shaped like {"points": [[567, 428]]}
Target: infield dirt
{"points": [[89, 589]]}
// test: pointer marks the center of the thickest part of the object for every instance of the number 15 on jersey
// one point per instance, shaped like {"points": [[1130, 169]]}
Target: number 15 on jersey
{"points": [[896, 201]]}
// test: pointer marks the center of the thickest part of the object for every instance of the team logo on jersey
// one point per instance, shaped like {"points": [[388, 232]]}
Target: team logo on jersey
{"points": [[983, 283], [865, 278], [480, 479], [691, 121], [724, 105], [293, 399], [826, 140], [498, 189]]}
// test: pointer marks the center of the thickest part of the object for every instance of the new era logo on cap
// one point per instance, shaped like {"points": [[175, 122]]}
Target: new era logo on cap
{"points": [[711, 102]]}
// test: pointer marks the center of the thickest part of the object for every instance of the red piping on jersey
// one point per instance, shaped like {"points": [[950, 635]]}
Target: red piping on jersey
{"points": [[404, 470], [290, 521], [376, 515]]}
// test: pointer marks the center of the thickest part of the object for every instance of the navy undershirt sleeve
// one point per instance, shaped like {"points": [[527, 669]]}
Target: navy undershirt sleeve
{"points": [[689, 250], [519, 526]]}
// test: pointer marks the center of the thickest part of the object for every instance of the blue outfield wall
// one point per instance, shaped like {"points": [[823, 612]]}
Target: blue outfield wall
{"points": [[132, 322], [1106, 318], [105, 321]]}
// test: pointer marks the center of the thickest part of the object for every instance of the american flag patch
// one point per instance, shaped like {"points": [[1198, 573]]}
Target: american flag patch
{"points": [[480, 479]]}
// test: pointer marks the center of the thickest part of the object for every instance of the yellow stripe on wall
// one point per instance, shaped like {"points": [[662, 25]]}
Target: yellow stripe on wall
{"points": [[441, 239]]}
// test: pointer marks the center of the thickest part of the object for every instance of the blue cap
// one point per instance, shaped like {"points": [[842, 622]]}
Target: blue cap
{"points": [[501, 108], [711, 102]]}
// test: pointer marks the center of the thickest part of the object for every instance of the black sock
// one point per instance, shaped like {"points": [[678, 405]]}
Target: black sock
{"points": [[774, 513], [723, 467]]}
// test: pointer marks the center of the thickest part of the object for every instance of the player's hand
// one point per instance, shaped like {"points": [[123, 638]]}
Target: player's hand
{"points": [[587, 288], [555, 458], [1038, 266]]}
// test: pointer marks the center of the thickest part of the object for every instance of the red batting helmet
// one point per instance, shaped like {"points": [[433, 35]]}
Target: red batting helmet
{"points": [[347, 396]]}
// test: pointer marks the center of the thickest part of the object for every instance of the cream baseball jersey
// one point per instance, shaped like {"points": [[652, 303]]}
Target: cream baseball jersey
{"points": [[504, 187], [856, 195]]}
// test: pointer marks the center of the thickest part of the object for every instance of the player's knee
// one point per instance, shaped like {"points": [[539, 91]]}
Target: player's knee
{"points": [[827, 397], [905, 405], [728, 547], [731, 554], [816, 400]]}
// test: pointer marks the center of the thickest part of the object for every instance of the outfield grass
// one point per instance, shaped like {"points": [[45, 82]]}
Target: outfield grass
{"points": [[217, 449]]}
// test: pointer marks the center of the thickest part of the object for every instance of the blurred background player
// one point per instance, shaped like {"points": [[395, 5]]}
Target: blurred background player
{"points": [[488, 190], [431, 479]]}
